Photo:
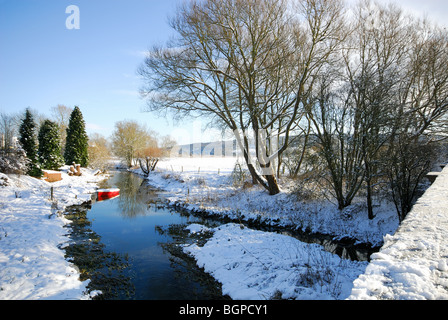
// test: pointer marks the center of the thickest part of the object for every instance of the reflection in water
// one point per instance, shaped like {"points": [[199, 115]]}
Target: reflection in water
{"points": [[107, 271], [136, 238], [135, 196]]}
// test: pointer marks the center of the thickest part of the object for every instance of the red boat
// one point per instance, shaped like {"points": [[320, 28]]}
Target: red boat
{"points": [[104, 194]]}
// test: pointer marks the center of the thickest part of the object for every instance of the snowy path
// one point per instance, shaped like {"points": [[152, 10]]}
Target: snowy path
{"points": [[413, 263]]}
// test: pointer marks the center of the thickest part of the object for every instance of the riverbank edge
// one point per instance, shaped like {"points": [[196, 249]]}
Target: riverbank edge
{"points": [[345, 246]]}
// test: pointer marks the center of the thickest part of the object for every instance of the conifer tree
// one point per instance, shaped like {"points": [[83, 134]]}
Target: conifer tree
{"points": [[28, 140], [76, 147], [49, 150]]}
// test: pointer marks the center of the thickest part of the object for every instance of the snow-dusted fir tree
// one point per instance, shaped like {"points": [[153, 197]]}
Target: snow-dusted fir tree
{"points": [[28, 140], [49, 150], [76, 147], [14, 161]]}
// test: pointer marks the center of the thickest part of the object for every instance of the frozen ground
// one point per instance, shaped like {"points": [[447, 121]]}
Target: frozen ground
{"points": [[32, 265]]}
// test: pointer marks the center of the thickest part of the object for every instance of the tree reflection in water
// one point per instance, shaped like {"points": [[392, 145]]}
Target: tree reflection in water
{"points": [[130, 247], [135, 196]]}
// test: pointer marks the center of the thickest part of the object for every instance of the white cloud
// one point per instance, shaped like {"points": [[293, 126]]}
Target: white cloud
{"points": [[435, 10], [137, 53]]}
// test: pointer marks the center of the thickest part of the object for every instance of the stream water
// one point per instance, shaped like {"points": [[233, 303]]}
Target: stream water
{"points": [[127, 246]]}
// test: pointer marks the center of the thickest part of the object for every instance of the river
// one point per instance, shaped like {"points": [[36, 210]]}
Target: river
{"points": [[127, 246], [130, 246]]}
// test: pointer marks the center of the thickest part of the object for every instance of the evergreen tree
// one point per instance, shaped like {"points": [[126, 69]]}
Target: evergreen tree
{"points": [[28, 140], [50, 146], [76, 147]]}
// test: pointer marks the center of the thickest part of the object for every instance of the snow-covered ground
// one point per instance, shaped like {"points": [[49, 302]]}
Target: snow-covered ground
{"points": [[413, 262], [250, 264], [32, 233], [207, 184], [257, 265]]}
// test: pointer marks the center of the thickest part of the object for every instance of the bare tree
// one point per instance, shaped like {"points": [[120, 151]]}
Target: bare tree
{"points": [[338, 139], [129, 139], [248, 65], [375, 65], [420, 116], [374, 112], [99, 151], [61, 115], [8, 130], [167, 143]]}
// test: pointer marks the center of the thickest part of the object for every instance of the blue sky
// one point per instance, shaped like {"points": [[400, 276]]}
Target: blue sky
{"points": [[43, 64]]}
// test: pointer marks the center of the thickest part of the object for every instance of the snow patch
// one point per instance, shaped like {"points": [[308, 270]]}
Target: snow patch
{"points": [[32, 265], [254, 265]]}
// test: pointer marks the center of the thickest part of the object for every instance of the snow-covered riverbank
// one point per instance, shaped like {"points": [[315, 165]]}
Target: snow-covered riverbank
{"points": [[250, 264], [32, 233], [263, 265], [254, 265], [200, 184], [257, 265]]}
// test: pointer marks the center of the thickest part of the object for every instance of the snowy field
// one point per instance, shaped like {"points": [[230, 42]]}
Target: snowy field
{"points": [[250, 264], [32, 233]]}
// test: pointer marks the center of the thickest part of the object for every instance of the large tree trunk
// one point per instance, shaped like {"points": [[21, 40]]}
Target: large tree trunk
{"points": [[267, 180], [272, 185]]}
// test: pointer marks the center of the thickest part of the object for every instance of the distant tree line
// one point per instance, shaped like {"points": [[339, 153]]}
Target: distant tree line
{"points": [[44, 146], [353, 97], [31, 143]]}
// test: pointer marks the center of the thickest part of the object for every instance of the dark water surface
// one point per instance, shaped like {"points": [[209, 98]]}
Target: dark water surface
{"points": [[135, 236]]}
